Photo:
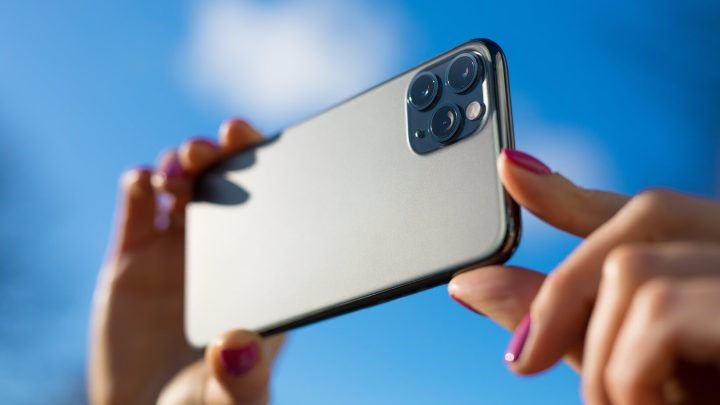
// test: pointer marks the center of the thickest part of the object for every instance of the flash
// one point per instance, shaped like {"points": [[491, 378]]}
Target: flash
{"points": [[475, 110]]}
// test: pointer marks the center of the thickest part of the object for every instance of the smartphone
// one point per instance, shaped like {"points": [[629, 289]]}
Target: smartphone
{"points": [[388, 193]]}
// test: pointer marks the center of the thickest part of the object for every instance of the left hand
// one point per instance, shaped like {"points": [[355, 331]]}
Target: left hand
{"points": [[634, 307], [138, 353]]}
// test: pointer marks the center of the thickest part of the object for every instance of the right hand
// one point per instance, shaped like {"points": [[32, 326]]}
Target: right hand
{"points": [[633, 307], [138, 352]]}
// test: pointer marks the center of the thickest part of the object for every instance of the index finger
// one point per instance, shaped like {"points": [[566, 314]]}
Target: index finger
{"points": [[234, 135], [553, 198]]}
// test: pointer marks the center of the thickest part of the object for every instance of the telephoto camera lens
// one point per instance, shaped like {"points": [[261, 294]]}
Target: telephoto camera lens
{"points": [[462, 72], [423, 90], [446, 122]]}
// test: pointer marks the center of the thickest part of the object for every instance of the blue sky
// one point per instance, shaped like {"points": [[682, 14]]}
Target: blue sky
{"points": [[615, 95]]}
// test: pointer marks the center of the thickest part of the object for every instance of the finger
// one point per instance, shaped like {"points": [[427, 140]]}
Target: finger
{"points": [[174, 190], [504, 294], [136, 212], [560, 313], [274, 343], [236, 135], [552, 197], [190, 385], [187, 387], [625, 270], [198, 154], [171, 177], [239, 364], [669, 323]]}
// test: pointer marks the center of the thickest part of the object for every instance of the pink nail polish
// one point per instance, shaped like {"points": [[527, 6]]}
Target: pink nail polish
{"points": [[174, 170], [240, 360], [515, 347], [459, 301], [527, 162]]}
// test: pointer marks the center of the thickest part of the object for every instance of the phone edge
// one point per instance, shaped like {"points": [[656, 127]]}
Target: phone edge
{"points": [[505, 249]]}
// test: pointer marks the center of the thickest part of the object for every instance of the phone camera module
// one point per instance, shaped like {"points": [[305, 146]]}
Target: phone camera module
{"points": [[463, 72], [446, 122], [423, 90], [446, 101]]}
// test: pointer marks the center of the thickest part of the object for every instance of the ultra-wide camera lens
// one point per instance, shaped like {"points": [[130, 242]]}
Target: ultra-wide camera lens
{"points": [[423, 90], [462, 72], [445, 122]]}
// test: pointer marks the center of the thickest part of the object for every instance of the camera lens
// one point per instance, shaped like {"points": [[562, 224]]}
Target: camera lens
{"points": [[423, 90], [445, 122], [462, 72]]}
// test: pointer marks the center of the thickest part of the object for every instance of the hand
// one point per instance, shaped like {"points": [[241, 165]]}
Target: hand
{"points": [[138, 352], [633, 307]]}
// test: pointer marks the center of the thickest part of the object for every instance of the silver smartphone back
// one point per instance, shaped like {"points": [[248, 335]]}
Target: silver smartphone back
{"points": [[350, 208]]}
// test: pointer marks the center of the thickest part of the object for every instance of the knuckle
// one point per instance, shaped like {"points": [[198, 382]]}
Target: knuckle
{"points": [[136, 175], [656, 298], [652, 201], [627, 265], [650, 213]]}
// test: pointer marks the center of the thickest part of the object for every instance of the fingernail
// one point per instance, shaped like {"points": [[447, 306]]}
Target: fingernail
{"points": [[515, 347], [527, 162], [174, 170], [240, 360], [459, 301]]}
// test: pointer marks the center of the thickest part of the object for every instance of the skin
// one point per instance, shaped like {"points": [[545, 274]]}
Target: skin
{"points": [[138, 352], [633, 308]]}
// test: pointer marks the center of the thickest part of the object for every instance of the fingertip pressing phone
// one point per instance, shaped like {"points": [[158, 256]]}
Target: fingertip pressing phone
{"points": [[388, 193]]}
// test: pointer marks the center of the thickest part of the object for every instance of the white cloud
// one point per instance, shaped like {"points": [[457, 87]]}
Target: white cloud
{"points": [[577, 154], [572, 151], [275, 62]]}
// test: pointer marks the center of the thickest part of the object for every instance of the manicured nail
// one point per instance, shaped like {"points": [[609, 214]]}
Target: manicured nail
{"points": [[515, 347], [461, 302], [174, 170], [527, 162], [240, 360]]}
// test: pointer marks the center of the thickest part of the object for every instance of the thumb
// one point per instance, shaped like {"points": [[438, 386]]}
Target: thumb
{"points": [[504, 294], [239, 365], [552, 197]]}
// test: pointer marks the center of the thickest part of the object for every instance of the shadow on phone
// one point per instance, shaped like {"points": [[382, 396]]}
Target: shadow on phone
{"points": [[214, 186]]}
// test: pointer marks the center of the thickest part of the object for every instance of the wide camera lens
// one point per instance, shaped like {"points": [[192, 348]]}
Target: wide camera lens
{"points": [[462, 72], [423, 90], [445, 122]]}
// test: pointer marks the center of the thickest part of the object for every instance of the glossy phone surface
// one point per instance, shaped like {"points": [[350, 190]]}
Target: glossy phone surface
{"points": [[388, 193]]}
